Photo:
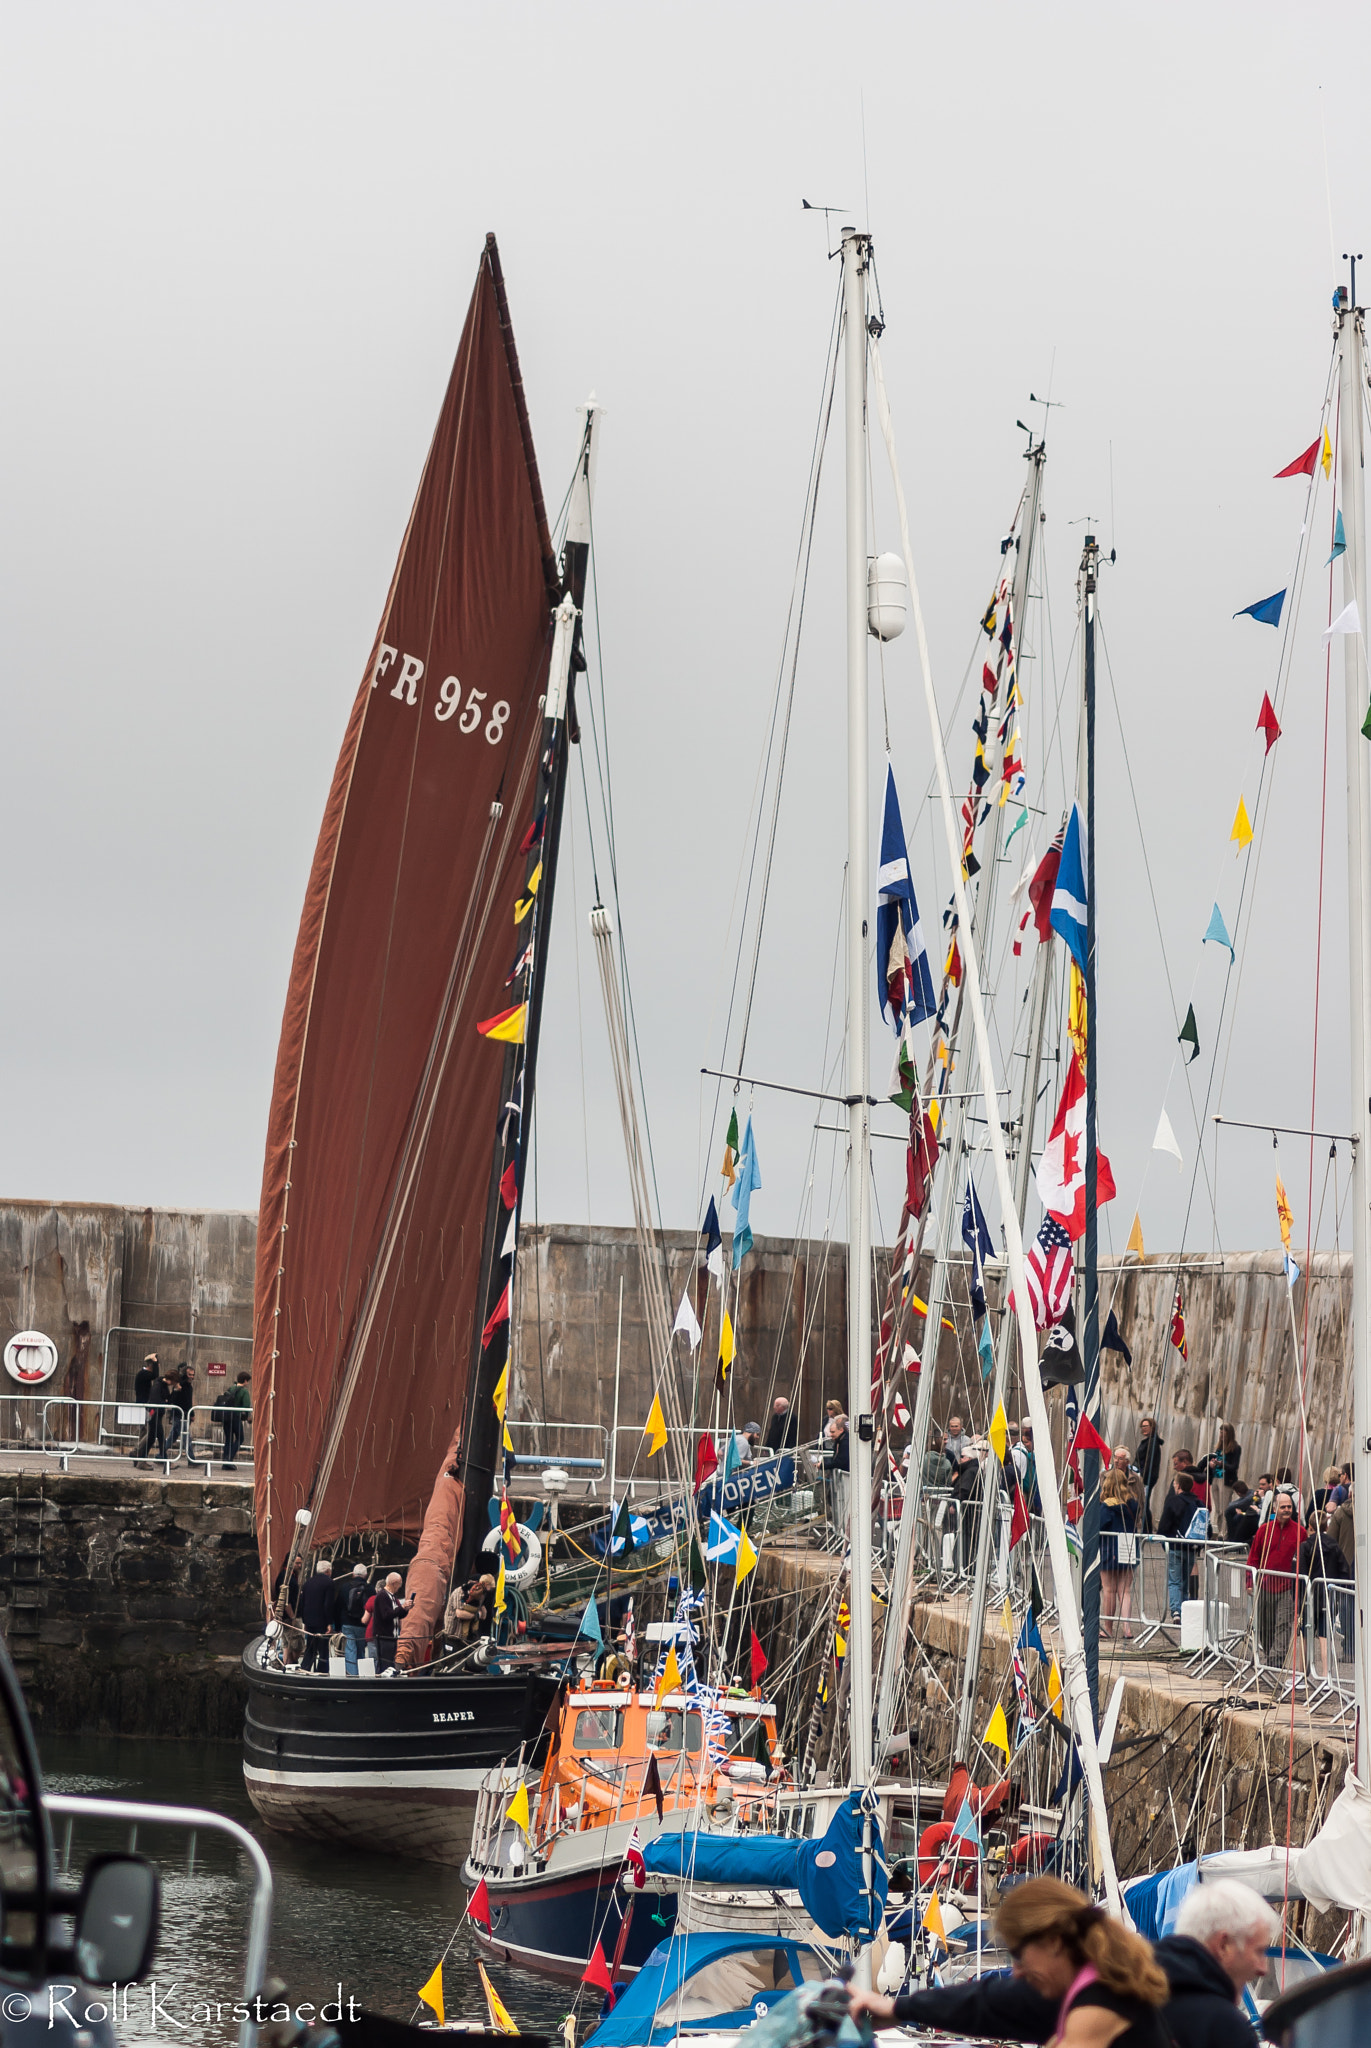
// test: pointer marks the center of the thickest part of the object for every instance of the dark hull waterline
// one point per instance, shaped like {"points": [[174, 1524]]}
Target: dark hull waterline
{"points": [[387, 1764]]}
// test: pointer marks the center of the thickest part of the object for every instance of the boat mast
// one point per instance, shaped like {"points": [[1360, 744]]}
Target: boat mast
{"points": [[856, 255], [1023, 1180], [1351, 329], [899, 1601], [1090, 1321], [480, 1459]]}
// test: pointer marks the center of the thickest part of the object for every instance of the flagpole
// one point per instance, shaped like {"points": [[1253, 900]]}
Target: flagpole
{"points": [[1023, 1180], [856, 256], [1352, 371], [1090, 1329]]}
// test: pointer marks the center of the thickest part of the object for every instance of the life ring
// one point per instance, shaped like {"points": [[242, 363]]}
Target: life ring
{"points": [[518, 1577], [932, 1862], [1030, 1851]]}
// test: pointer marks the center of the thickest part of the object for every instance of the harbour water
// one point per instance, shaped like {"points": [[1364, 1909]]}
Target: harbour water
{"points": [[374, 1926]]}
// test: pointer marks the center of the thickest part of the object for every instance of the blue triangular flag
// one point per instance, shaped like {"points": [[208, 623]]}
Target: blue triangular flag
{"points": [[1029, 1636], [1266, 611], [1292, 1271], [978, 1241], [903, 978], [749, 1177], [1339, 541], [721, 1544], [590, 1623], [733, 1457], [1071, 1777], [983, 1347], [1068, 898], [964, 1827], [1218, 932]]}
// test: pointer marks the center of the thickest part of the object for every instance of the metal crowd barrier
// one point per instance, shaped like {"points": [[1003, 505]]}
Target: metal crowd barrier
{"points": [[62, 1427]]}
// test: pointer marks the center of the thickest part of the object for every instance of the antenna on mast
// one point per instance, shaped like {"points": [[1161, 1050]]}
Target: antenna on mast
{"points": [[1354, 261]]}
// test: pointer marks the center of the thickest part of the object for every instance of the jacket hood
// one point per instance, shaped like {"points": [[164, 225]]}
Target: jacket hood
{"points": [[1189, 1967]]}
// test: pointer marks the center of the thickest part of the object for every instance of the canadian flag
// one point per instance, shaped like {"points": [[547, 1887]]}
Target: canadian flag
{"points": [[1061, 1170]]}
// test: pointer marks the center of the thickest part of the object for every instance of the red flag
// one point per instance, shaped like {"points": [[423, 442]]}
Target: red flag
{"points": [[652, 1784], [706, 1461], [1303, 465], [499, 1314], [596, 1971], [1018, 1526], [920, 1161], [990, 682], [478, 1905], [1087, 1438], [1178, 1323], [509, 1186], [1267, 722], [1041, 888], [758, 1660], [1061, 1170]]}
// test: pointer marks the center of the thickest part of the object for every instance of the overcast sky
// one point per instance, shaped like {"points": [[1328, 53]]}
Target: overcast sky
{"points": [[238, 244]]}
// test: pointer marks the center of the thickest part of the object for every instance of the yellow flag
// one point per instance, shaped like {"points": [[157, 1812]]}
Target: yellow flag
{"points": [[525, 903], [747, 1558], [999, 1431], [501, 1394], [655, 1427], [839, 1646], [500, 1584], [1283, 1212], [1077, 1020], [499, 2018], [727, 1347], [432, 1994], [1054, 1689], [1242, 827], [1327, 457], [670, 1680], [998, 1731], [517, 1810], [508, 1025], [1008, 1617], [1135, 1237], [505, 1437], [933, 1920]]}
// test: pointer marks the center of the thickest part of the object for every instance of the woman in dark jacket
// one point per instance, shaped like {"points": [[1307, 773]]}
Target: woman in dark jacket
{"points": [[1118, 1551], [1057, 1938]]}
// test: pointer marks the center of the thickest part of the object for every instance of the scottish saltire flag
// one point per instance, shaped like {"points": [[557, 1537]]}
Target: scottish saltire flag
{"points": [[749, 1177], [1068, 898], [721, 1544], [978, 1241], [902, 971]]}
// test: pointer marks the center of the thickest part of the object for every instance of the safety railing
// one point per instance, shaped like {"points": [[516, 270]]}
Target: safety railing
{"points": [[61, 1427], [126, 1348], [136, 1814]]}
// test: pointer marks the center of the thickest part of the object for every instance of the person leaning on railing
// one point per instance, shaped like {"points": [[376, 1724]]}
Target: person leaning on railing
{"points": [[1271, 1563]]}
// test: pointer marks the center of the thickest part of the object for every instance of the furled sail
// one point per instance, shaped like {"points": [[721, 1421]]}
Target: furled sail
{"points": [[386, 1099]]}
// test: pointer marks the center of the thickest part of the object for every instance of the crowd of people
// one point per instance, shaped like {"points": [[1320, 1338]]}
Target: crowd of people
{"points": [[167, 1394], [360, 1614]]}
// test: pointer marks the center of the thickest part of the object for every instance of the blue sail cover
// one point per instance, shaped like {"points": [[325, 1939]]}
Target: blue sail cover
{"points": [[826, 1873]]}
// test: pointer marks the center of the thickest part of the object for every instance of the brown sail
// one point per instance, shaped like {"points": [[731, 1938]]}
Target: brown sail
{"points": [[375, 1190]]}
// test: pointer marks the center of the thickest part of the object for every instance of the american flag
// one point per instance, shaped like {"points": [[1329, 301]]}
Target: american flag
{"points": [[1050, 1273]]}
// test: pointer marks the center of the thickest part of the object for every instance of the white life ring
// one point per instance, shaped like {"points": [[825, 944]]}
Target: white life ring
{"points": [[519, 1577], [30, 1358]]}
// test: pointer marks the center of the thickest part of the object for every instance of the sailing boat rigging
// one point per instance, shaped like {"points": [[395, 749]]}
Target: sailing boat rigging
{"points": [[396, 1139]]}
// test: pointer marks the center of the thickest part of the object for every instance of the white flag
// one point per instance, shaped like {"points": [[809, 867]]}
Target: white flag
{"points": [[507, 1248], [685, 1321], [1347, 621], [1165, 1140]]}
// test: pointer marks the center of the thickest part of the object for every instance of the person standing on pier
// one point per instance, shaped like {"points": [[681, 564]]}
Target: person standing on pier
{"points": [[179, 1399], [149, 1391], [316, 1616], [233, 1411], [385, 1620]]}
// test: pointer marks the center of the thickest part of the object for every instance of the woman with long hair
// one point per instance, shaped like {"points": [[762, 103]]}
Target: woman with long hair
{"points": [[1081, 1980], [1118, 1547]]}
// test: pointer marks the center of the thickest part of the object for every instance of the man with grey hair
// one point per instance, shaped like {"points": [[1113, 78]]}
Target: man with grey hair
{"points": [[1223, 1931]]}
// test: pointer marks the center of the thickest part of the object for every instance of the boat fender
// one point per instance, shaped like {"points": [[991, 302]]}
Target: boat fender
{"points": [[519, 1577]]}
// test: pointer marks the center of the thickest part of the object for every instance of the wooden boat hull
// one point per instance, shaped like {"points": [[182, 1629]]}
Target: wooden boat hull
{"points": [[388, 1765]]}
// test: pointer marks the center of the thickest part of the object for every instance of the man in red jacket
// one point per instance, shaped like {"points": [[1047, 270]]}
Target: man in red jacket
{"points": [[1271, 1564]]}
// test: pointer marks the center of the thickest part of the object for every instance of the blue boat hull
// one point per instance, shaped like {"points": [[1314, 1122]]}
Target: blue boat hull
{"points": [[551, 1924]]}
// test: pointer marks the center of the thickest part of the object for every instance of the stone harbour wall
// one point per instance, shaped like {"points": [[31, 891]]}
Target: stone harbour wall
{"points": [[126, 1602]]}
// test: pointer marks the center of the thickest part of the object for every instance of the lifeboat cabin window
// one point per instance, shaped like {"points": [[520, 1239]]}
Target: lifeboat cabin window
{"points": [[747, 1737], [599, 1728], [670, 1729]]}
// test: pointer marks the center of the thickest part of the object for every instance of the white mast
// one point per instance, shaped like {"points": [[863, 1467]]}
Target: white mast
{"points": [[856, 249], [1352, 387], [1073, 1650]]}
